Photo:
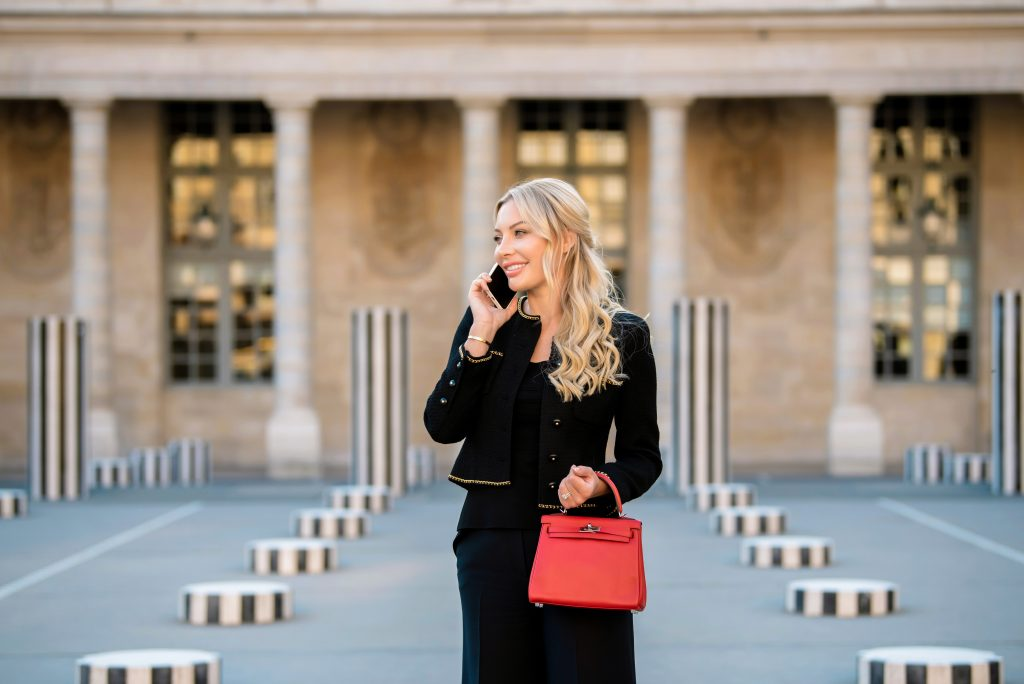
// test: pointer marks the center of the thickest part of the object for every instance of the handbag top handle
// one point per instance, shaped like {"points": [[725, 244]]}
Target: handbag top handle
{"points": [[615, 491]]}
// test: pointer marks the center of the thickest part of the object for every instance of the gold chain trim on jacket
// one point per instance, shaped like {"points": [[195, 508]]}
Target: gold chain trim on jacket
{"points": [[584, 505], [466, 357], [519, 308], [486, 482]]}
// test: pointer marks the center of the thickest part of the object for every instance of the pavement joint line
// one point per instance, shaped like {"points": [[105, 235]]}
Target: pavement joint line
{"points": [[952, 530], [95, 550]]}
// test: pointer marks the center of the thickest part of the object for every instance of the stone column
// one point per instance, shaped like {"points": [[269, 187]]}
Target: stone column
{"points": [[854, 431], [293, 433], [91, 279], [481, 185], [667, 234]]}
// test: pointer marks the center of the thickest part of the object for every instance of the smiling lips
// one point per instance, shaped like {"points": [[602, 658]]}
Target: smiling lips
{"points": [[514, 268]]}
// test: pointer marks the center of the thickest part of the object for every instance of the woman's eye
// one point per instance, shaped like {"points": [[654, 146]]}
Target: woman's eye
{"points": [[497, 239], [520, 232]]}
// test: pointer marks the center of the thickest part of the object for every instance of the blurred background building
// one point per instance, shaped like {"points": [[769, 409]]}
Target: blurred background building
{"points": [[217, 185]]}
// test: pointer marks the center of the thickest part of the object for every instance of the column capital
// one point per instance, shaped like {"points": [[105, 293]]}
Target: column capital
{"points": [[669, 101], [481, 102], [851, 99], [291, 101], [87, 103]]}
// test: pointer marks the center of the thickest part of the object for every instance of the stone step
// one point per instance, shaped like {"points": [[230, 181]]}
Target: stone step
{"points": [[374, 499], [235, 603], [845, 598], [291, 556], [748, 521], [150, 666], [787, 552], [330, 523], [927, 665], [110, 473], [726, 495], [13, 503]]}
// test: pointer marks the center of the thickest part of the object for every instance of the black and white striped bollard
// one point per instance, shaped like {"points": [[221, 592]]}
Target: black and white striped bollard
{"points": [[922, 463], [150, 667], [787, 552], [291, 556], [420, 465], [330, 523], [190, 461], [235, 603], [13, 503], [57, 408], [967, 468], [928, 665], [700, 393], [380, 396], [749, 521], [359, 498], [1008, 392], [726, 495], [845, 598], [151, 467], [110, 473]]}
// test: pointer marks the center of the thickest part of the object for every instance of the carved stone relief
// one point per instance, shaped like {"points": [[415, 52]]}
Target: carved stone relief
{"points": [[35, 233], [747, 233], [404, 231]]}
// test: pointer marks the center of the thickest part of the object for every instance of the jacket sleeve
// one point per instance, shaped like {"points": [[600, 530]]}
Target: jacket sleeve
{"points": [[637, 454], [454, 404]]}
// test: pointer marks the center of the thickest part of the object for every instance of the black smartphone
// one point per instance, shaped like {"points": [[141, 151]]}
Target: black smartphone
{"points": [[498, 289]]}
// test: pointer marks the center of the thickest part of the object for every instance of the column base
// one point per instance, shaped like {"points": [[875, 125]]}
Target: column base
{"points": [[102, 434], [293, 445], [854, 441]]}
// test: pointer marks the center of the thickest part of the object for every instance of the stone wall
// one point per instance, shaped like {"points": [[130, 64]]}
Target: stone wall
{"points": [[35, 250], [760, 233], [387, 232]]}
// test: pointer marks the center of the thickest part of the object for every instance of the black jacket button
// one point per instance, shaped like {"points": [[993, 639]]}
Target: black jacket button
{"points": [[458, 364], [553, 457], [443, 400], [451, 383], [557, 422], [551, 485]]}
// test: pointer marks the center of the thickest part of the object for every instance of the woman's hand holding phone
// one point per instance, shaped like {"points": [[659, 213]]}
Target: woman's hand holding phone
{"points": [[487, 319]]}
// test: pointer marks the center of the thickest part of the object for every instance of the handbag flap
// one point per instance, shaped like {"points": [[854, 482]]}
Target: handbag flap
{"points": [[607, 529]]}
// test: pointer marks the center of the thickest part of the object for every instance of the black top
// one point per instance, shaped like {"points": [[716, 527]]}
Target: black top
{"points": [[514, 507]]}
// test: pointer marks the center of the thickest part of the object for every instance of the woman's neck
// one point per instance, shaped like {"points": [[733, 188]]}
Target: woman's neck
{"points": [[542, 302]]}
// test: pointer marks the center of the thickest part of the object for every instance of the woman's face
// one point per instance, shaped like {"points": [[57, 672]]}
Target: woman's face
{"points": [[518, 250]]}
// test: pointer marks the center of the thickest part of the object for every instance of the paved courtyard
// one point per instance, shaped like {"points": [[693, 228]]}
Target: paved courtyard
{"points": [[77, 578]]}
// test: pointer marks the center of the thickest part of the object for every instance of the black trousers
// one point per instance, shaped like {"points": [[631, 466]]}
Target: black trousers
{"points": [[505, 638]]}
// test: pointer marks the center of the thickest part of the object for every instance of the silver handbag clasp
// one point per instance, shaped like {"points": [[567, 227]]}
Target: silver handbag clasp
{"points": [[590, 528]]}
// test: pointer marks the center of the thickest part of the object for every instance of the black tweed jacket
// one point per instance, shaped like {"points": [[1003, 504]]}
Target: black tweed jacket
{"points": [[473, 401]]}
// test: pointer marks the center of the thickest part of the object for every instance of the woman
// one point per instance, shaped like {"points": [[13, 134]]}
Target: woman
{"points": [[533, 390]]}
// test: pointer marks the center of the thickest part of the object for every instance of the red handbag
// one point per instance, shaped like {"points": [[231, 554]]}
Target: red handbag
{"points": [[590, 562]]}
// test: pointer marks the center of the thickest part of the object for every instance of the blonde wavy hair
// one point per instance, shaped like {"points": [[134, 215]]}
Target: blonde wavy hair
{"points": [[589, 358]]}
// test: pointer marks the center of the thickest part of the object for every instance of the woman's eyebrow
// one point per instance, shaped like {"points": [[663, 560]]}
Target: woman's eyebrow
{"points": [[498, 230]]}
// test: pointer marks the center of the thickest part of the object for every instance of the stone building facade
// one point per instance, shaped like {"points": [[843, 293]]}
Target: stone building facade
{"points": [[850, 176]]}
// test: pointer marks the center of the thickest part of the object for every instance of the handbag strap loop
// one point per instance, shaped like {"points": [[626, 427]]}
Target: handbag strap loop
{"points": [[615, 491]]}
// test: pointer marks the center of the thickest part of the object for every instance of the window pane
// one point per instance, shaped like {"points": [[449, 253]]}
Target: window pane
{"points": [[601, 148], [893, 136], [945, 209], [192, 134], [193, 218], [947, 128], [543, 148], [892, 314], [252, 212], [890, 209], [193, 296], [252, 308]]}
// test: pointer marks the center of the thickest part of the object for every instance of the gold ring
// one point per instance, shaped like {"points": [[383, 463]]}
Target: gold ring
{"points": [[565, 495]]}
